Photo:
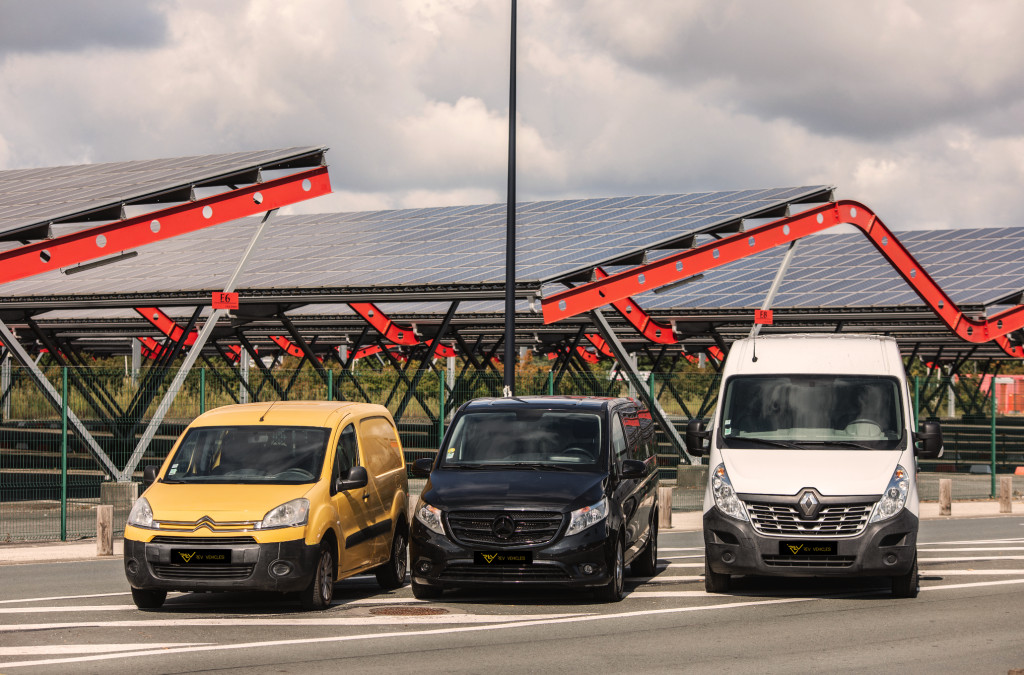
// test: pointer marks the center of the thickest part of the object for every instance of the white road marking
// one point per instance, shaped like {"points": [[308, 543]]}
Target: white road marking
{"points": [[987, 548], [65, 597], [971, 558], [676, 565], [453, 618], [976, 584], [970, 541], [692, 548], [405, 634], [66, 608], [35, 650], [678, 557], [978, 573], [637, 595]]}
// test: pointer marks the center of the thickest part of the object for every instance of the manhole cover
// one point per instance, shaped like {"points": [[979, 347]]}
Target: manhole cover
{"points": [[407, 611]]}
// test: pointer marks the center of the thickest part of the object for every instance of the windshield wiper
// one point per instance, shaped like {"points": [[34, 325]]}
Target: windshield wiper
{"points": [[844, 444], [536, 466], [765, 441]]}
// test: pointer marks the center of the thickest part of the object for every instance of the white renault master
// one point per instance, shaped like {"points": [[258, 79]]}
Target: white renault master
{"points": [[811, 468]]}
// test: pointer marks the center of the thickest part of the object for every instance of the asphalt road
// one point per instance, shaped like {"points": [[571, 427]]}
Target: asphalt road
{"points": [[78, 617]]}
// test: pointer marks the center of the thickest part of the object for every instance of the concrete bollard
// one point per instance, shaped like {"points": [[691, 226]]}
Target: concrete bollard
{"points": [[1006, 494], [664, 507], [945, 496], [105, 529]]}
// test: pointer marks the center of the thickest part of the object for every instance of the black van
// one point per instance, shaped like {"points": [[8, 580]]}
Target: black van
{"points": [[538, 490]]}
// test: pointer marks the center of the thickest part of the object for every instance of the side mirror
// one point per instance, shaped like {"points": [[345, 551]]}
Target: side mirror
{"points": [[930, 439], [354, 479], [633, 468], [695, 436], [149, 476], [422, 466]]}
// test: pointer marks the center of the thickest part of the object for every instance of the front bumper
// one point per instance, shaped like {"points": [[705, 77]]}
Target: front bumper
{"points": [[251, 567], [887, 548], [436, 560]]}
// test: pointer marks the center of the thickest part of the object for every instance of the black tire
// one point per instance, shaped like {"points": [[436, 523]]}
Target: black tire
{"points": [[424, 592], [646, 564], [148, 599], [320, 592], [391, 575], [715, 582], [615, 589], [906, 585]]}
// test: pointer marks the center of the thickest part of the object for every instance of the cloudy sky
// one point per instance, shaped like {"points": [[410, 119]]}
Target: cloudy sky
{"points": [[915, 108]]}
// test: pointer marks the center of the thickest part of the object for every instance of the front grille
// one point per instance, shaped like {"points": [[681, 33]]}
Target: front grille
{"points": [[203, 572], [809, 560], [532, 528], [203, 541], [504, 573], [846, 520]]}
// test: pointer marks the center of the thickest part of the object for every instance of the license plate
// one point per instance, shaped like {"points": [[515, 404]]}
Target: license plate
{"points": [[488, 558], [808, 548], [191, 556]]}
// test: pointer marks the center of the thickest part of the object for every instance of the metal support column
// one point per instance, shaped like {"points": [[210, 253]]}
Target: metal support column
{"points": [[776, 283]]}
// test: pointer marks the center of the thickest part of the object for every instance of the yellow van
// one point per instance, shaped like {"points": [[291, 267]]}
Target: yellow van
{"points": [[284, 496]]}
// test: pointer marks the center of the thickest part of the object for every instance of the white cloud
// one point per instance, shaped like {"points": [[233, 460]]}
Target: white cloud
{"points": [[911, 106]]}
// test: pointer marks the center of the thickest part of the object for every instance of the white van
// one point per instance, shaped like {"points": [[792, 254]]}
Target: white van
{"points": [[811, 464]]}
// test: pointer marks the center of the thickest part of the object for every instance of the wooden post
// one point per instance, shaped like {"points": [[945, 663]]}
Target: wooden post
{"points": [[945, 496], [664, 507], [105, 529], [1006, 494]]}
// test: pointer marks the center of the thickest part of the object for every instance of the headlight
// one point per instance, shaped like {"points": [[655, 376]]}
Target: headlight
{"points": [[894, 498], [430, 516], [141, 514], [581, 519], [725, 496], [289, 514]]}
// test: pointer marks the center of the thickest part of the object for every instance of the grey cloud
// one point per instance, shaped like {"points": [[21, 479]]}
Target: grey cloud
{"points": [[71, 25]]}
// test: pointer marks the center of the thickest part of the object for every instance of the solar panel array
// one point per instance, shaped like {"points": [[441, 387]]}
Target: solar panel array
{"points": [[449, 245], [33, 197], [974, 266]]}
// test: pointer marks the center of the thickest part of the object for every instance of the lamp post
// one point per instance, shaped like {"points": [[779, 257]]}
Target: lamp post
{"points": [[510, 226]]}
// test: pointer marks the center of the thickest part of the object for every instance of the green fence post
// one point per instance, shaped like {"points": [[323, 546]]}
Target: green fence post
{"points": [[202, 390], [650, 385], [330, 385], [440, 412], [64, 454], [551, 383], [992, 395]]}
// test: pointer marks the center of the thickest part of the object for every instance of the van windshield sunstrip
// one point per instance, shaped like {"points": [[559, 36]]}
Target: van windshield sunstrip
{"points": [[812, 411]]}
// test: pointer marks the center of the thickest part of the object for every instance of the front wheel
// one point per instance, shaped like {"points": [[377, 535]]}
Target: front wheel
{"points": [[906, 585], [424, 592], [148, 599], [391, 575], [713, 581], [318, 595], [614, 590]]}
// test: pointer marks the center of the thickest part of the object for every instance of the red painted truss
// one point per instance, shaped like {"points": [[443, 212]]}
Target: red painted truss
{"points": [[105, 240], [661, 333], [676, 267], [392, 332]]}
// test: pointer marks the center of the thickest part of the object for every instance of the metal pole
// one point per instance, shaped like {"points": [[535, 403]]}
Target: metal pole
{"points": [[330, 385], [202, 390], [64, 454], [917, 399], [510, 229], [776, 283], [440, 412], [992, 395]]}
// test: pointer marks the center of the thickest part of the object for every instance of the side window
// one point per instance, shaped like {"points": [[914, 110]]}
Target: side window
{"points": [[381, 450], [648, 439], [619, 446], [347, 455]]}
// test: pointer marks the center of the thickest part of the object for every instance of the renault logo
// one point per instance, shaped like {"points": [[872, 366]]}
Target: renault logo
{"points": [[808, 504], [503, 526]]}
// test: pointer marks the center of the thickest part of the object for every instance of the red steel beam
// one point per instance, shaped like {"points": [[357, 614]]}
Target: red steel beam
{"points": [[400, 335], [661, 333], [679, 266], [106, 240]]}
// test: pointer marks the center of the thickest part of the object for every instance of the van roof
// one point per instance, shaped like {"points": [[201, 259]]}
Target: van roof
{"points": [[591, 403], [295, 413], [815, 353]]}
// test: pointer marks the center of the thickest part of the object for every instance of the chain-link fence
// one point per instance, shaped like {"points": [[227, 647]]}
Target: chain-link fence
{"points": [[53, 473]]}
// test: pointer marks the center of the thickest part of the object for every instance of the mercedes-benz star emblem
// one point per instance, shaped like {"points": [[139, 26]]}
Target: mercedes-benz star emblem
{"points": [[808, 504], [503, 526]]}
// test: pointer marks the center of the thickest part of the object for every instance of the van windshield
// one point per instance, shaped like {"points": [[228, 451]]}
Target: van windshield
{"points": [[249, 454], [812, 411], [525, 439]]}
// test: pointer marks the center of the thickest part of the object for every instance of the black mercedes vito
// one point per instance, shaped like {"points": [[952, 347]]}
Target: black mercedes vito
{"points": [[538, 490]]}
